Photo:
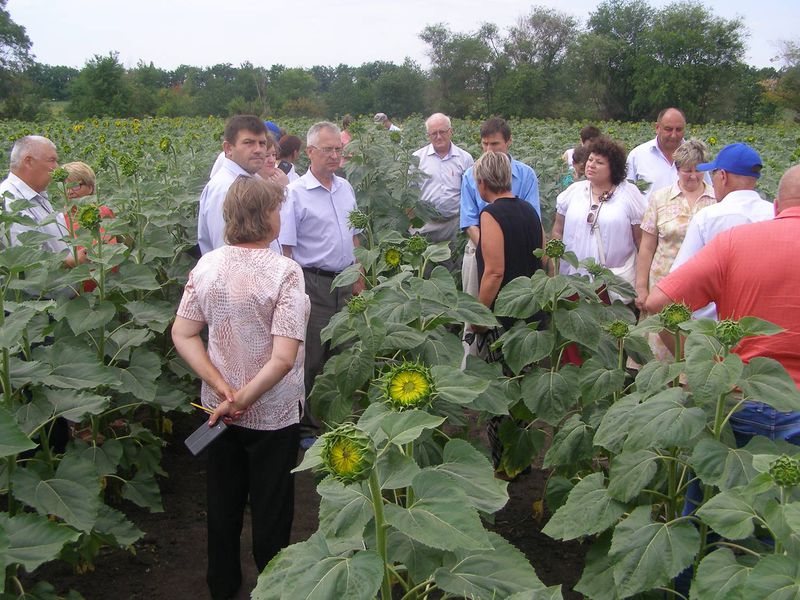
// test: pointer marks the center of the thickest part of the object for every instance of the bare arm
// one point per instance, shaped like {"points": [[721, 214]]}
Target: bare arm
{"points": [[636, 231], [494, 259], [558, 227], [186, 337], [644, 261], [287, 251], [474, 234]]}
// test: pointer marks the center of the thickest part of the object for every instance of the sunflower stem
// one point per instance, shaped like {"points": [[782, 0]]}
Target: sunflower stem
{"points": [[380, 533]]}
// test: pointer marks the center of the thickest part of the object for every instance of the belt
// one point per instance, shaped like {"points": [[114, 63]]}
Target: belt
{"points": [[322, 272]]}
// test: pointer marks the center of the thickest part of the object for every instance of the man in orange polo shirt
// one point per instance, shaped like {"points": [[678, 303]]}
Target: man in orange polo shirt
{"points": [[749, 270]]}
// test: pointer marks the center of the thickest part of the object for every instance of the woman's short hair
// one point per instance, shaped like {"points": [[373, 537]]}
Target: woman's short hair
{"points": [[615, 153], [288, 145], [580, 154], [81, 173], [347, 120], [247, 208], [690, 153], [494, 170]]}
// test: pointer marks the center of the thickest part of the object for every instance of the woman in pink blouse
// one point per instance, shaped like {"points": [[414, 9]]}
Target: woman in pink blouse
{"points": [[254, 304]]}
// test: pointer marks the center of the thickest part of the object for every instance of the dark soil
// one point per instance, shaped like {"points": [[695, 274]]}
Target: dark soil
{"points": [[169, 562]]}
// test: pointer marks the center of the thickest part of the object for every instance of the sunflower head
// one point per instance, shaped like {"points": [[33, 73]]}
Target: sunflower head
{"points": [[59, 175], [785, 471], [408, 385], [729, 332], [416, 244], [357, 305], [393, 257], [618, 329], [165, 144], [595, 269], [555, 248], [89, 217], [358, 219], [348, 454], [673, 315]]}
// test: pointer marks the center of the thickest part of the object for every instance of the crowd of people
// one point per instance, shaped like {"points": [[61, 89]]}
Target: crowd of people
{"points": [[678, 226]]}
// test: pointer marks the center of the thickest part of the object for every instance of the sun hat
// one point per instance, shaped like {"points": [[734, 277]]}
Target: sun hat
{"points": [[738, 158]]}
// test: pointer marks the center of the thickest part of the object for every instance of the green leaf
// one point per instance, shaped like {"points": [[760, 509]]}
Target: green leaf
{"points": [[756, 326], [402, 337], [469, 310], [655, 375], [420, 560], [344, 511], [472, 472], [597, 382], [578, 325], [133, 277], [572, 443], [589, 510], [443, 348], [729, 514], [407, 426], [457, 386], [347, 277], [722, 466], [24, 372], [13, 328], [551, 394], [12, 439], [709, 377], [105, 458], [501, 393], [75, 367], [597, 580], [326, 402], [765, 380], [520, 446], [143, 491], [524, 345], [521, 297], [74, 405], [83, 317], [631, 472], [774, 577], [613, 428], [72, 494], [33, 539], [139, 377], [719, 577], [395, 469], [664, 422], [311, 570], [113, 523], [441, 515], [649, 554], [486, 575], [154, 314]]}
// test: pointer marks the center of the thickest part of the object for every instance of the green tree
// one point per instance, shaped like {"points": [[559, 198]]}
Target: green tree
{"points": [[51, 81], [18, 98], [400, 90], [786, 91], [101, 89]]}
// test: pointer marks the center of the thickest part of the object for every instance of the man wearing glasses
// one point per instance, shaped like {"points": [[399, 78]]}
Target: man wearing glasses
{"points": [[734, 174], [445, 164], [315, 232]]}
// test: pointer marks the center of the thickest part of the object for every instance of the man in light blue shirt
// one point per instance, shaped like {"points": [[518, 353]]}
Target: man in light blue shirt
{"points": [[495, 136]]}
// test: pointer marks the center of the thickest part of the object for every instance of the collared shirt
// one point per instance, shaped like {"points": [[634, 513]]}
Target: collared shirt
{"points": [[442, 188], [314, 223], [40, 210], [746, 272], [524, 185], [647, 162], [210, 223], [737, 208]]}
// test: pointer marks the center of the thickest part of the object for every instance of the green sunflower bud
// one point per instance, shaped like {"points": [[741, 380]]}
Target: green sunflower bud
{"points": [[393, 257], [357, 219], [394, 136], [348, 454], [165, 144], [595, 269], [357, 305], [59, 175], [555, 248], [128, 165], [785, 471], [408, 385], [673, 315], [618, 329], [89, 217], [729, 332], [416, 244]]}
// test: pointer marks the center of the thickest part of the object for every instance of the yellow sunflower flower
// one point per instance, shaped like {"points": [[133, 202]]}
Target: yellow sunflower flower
{"points": [[348, 453], [409, 385]]}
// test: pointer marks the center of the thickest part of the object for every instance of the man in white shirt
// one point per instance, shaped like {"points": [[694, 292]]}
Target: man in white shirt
{"points": [[33, 160], [315, 232], [735, 172], [245, 149], [652, 161], [385, 121], [445, 164]]}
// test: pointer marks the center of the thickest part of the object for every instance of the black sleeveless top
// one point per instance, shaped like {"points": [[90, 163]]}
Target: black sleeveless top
{"points": [[522, 234]]}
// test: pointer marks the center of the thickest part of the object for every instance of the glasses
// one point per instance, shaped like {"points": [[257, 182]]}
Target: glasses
{"points": [[439, 133], [328, 150], [594, 209]]}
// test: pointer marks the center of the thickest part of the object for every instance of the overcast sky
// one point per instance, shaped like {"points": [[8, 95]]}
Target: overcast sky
{"points": [[311, 32]]}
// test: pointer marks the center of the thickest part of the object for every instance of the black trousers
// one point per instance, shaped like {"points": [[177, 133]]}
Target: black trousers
{"points": [[244, 462]]}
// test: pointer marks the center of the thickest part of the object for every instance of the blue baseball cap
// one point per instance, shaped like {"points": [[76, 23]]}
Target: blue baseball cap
{"points": [[738, 158]]}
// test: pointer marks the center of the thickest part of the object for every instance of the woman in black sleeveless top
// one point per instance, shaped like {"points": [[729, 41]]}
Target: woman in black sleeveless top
{"points": [[510, 231]]}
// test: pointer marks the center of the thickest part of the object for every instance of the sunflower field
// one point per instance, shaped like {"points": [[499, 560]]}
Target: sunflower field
{"points": [[406, 488]]}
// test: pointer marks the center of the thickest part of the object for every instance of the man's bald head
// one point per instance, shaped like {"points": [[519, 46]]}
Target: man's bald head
{"points": [[788, 190]]}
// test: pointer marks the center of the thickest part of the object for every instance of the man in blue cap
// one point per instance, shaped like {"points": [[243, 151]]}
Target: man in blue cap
{"points": [[734, 174]]}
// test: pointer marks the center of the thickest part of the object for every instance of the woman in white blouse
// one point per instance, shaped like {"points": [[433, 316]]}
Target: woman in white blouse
{"points": [[600, 216], [254, 304]]}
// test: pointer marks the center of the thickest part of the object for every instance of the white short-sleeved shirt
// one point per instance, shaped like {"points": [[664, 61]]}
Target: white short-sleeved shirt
{"points": [[247, 296], [647, 162], [737, 208], [442, 188], [615, 218], [314, 222], [40, 210]]}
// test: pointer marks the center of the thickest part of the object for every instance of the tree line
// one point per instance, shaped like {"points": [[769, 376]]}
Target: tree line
{"points": [[626, 62]]}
